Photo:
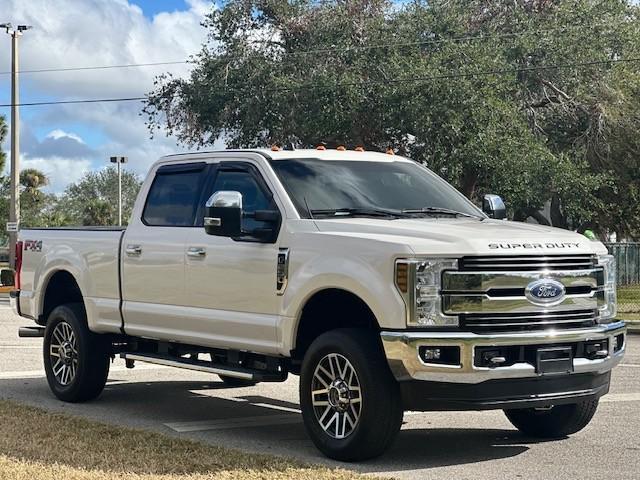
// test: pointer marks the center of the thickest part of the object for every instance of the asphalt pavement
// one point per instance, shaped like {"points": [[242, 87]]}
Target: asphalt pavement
{"points": [[266, 418]]}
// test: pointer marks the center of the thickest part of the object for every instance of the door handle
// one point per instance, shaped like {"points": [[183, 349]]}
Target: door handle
{"points": [[133, 250], [196, 252]]}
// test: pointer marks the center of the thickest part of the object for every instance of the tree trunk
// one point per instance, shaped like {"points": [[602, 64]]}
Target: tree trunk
{"points": [[539, 217], [558, 219], [468, 184]]}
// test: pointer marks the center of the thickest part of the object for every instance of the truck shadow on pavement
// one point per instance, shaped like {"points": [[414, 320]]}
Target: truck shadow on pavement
{"points": [[237, 420]]}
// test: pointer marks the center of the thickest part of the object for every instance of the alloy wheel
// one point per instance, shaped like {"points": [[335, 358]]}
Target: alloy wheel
{"points": [[336, 396], [63, 353]]}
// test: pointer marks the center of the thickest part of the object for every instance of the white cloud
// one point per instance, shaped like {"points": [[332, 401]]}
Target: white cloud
{"points": [[73, 33], [70, 33], [60, 171], [59, 133]]}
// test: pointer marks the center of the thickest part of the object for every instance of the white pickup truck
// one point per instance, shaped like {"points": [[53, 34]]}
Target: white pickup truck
{"points": [[365, 274]]}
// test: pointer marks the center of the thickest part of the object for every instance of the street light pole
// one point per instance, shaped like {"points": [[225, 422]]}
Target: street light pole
{"points": [[14, 209], [119, 161]]}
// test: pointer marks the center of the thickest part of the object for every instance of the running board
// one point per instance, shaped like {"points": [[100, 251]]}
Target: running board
{"points": [[207, 367], [31, 332]]}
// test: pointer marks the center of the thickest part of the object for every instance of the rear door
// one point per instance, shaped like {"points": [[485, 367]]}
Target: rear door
{"points": [[232, 289], [153, 255]]}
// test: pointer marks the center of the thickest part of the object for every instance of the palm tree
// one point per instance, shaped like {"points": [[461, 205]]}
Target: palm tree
{"points": [[33, 179]]}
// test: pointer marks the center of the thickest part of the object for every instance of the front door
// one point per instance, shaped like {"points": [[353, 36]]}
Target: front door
{"points": [[232, 291]]}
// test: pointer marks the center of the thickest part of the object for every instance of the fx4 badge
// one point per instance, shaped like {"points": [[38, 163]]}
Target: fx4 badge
{"points": [[33, 245]]}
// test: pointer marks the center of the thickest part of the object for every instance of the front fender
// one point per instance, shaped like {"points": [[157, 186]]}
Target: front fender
{"points": [[370, 279]]}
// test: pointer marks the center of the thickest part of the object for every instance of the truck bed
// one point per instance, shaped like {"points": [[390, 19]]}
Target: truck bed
{"points": [[90, 254]]}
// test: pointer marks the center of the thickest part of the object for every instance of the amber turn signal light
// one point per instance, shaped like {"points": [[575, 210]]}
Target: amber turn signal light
{"points": [[402, 277]]}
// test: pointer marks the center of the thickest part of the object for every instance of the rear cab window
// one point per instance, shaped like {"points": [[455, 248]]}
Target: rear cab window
{"points": [[174, 199]]}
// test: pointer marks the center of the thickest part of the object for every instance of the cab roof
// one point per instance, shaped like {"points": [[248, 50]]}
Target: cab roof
{"points": [[328, 154]]}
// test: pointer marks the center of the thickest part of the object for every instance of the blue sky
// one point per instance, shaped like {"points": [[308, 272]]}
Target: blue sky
{"points": [[65, 141], [152, 7]]}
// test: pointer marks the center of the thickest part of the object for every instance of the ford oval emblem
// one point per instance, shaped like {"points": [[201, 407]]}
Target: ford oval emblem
{"points": [[545, 292]]}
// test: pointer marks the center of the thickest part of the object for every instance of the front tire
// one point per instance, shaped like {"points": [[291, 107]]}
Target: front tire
{"points": [[554, 422], [76, 360], [351, 403]]}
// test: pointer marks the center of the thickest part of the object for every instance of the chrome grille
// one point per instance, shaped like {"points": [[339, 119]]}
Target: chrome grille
{"points": [[488, 293], [492, 322], [526, 263]]}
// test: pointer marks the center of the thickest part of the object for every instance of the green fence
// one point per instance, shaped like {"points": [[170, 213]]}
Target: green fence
{"points": [[628, 261]]}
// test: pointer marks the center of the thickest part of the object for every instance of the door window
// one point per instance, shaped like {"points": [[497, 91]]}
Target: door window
{"points": [[254, 196], [174, 196]]}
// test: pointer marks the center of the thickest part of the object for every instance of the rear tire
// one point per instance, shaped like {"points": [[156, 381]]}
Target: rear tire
{"points": [[76, 360], [556, 422], [351, 403], [236, 382]]}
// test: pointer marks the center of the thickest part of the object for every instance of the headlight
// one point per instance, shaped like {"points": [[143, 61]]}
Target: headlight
{"points": [[418, 281], [609, 309]]}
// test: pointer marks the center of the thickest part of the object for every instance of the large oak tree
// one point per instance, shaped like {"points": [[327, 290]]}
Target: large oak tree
{"points": [[538, 100]]}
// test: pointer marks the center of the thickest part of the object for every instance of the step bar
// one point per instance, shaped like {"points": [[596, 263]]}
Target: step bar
{"points": [[31, 332], [207, 367]]}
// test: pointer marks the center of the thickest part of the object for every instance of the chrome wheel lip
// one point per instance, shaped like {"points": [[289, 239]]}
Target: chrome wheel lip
{"points": [[336, 396], [63, 353]]}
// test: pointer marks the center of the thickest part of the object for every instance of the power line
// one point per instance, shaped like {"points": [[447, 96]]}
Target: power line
{"points": [[443, 76], [67, 102], [465, 75], [99, 67], [343, 49]]}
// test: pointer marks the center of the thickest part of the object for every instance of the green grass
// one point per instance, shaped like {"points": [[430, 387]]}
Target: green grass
{"points": [[629, 294], [629, 302], [39, 445]]}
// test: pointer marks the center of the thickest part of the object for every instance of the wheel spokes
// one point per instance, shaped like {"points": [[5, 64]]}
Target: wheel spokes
{"points": [[63, 353], [336, 396]]}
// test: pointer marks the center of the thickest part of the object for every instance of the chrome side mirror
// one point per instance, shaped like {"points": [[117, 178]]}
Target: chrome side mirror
{"points": [[223, 214], [494, 207]]}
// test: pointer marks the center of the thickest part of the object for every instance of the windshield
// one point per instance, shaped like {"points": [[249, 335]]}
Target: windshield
{"points": [[334, 187]]}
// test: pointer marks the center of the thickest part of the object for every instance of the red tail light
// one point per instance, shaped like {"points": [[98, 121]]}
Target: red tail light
{"points": [[18, 265]]}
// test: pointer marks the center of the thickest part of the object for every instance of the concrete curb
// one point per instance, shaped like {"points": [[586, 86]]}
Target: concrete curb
{"points": [[633, 326]]}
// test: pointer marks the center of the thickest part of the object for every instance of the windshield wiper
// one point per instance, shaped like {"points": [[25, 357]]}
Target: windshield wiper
{"points": [[440, 211], [360, 211]]}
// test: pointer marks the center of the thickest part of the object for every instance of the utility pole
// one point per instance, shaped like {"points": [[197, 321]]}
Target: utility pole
{"points": [[14, 208], [119, 161]]}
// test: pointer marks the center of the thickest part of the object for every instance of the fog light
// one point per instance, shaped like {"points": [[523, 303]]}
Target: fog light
{"points": [[431, 354], [441, 355]]}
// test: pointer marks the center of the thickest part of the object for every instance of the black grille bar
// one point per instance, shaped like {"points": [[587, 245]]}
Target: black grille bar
{"points": [[527, 263], [495, 322]]}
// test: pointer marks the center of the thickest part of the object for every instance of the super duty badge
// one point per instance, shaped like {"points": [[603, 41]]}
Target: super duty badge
{"points": [[509, 246]]}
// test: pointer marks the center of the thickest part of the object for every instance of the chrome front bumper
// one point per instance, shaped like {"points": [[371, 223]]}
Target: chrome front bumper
{"points": [[402, 351]]}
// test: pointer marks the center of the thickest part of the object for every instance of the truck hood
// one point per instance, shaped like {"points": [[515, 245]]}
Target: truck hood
{"points": [[464, 236]]}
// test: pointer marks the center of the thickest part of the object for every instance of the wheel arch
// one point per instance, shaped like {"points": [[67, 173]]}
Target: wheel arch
{"points": [[59, 288], [329, 309]]}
